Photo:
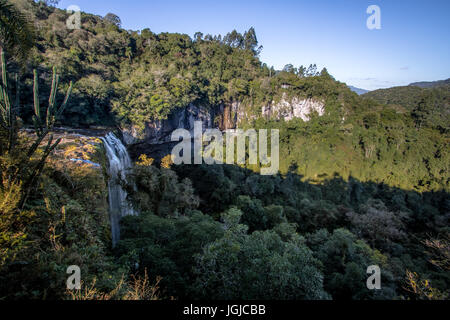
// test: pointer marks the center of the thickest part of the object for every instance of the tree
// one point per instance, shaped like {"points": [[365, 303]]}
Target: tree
{"points": [[26, 172], [275, 215], [50, 2], [345, 260], [256, 266], [377, 224], [114, 19], [301, 72], [198, 36], [251, 42], [421, 289], [235, 39], [439, 251], [324, 73], [289, 68], [253, 213], [17, 34], [21, 163], [424, 109], [311, 71], [160, 191], [160, 244]]}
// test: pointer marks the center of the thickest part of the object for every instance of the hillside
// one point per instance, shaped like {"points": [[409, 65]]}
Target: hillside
{"points": [[115, 71], [432, 104], [431, 84]]}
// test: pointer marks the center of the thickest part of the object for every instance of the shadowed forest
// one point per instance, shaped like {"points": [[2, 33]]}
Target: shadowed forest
{"points": [[365, 183]]}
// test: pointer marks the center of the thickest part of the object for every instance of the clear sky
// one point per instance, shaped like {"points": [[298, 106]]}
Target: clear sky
{"points": [[412, 44]]}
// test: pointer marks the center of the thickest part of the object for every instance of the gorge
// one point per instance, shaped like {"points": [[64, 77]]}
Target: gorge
{"points": [[361, 180]]}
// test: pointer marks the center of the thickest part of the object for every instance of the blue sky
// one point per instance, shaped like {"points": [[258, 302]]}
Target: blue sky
{"points": [[412, 44]]}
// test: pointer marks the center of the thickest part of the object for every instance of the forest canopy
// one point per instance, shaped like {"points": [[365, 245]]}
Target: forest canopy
{"points": [[365, 183]]}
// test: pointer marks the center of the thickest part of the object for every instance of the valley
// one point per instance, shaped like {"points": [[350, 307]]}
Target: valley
{"points": [[88, 178]]}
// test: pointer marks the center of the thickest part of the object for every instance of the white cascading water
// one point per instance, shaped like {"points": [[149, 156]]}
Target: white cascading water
{"points": [[119, 165]]}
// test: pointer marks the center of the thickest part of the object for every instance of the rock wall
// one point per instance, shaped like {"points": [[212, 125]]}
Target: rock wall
{"points": [[288, 109], [156, 142], [159, 131], [156, 138]]}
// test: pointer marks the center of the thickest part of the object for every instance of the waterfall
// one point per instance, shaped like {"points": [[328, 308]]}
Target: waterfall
{"points": [[119, 165]]}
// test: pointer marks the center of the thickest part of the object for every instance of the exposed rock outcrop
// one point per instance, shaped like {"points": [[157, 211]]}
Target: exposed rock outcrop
{"points": [[157, 134], [159, 131], [155, 140], [288, 109]]}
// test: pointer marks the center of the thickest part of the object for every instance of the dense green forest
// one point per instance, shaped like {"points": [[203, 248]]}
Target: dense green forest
{"points": [[429, 106], [367, 183], [148, 73], [431, 84]]}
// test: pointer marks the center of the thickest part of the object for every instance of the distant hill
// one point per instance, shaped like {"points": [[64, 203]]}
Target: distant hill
{"points": [[409, 96], [406, 96], [431, 84], [358, 90], [432, 102]]}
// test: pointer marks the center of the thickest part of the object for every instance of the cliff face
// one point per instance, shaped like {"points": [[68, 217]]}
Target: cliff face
{"points": [[288, 109], [159, 131], [156, 138]]}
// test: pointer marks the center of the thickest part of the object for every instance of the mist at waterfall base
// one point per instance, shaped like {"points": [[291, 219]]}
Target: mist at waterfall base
{"points": [[119, 165]]}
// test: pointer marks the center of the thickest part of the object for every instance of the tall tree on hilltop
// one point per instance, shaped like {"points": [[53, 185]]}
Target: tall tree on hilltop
{"points": [[234, 39], [114, 19], [251, 42]]}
